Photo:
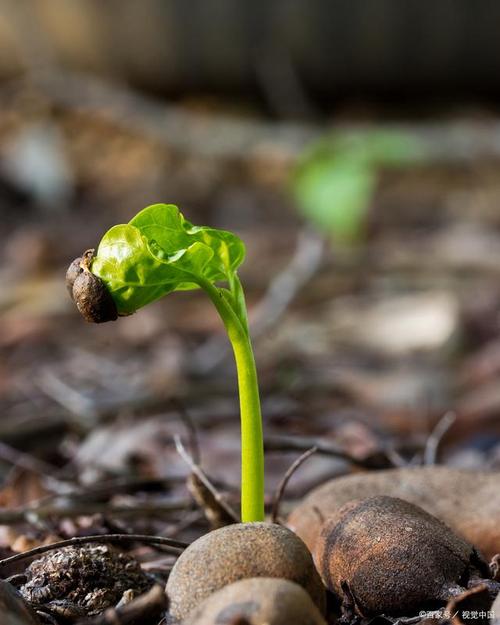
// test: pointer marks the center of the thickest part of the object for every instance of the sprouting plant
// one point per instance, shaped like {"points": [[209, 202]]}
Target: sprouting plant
{"points": [[156, 253], [335, 179]]}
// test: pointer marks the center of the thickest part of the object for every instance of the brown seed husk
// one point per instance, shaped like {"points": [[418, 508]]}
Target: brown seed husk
{"points": [[74, 270], [258, 601], [94, 577], [93, 299], [467, 501], [394, 556], [240, 551]]}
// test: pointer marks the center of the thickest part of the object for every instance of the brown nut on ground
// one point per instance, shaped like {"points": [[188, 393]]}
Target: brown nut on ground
{"points": [[441, 491], [392, 557], [258, 601], [240, 551]]}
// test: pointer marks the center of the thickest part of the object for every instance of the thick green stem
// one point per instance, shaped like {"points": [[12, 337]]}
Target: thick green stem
{"points": [[252, 448]]}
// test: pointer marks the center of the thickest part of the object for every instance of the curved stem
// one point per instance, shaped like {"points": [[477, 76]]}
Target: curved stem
{"points": [[252, 448]]}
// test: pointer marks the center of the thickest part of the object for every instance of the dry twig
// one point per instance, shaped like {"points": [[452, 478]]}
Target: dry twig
{"points": [[216, 509], [278, 496], [436, 436], [175, 546], [303, 443]]}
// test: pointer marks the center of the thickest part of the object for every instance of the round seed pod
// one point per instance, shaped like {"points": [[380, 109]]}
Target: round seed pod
{"points": [[441, 491], [93, 299], [89, 292], [391, 556], [258, 601], [240, 551], [74, 270]]}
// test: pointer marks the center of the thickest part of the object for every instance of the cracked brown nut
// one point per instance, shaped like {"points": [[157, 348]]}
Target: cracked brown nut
{"points": [[240, 551], [391, 557], [258, 601], [89, 292]]}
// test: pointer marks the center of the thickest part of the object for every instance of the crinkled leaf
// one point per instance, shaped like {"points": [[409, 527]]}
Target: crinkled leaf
{"points": [[132, 274], [229, 250], [159, 252], [165, 224]]}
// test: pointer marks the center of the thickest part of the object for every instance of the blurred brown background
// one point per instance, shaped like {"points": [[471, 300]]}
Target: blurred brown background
{"points": [[329, 49]]}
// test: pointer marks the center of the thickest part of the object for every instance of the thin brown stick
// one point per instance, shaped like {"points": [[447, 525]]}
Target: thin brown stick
{"points": [[436, 436], [395, 457], [176, 546], [278, 495], [303, 443], [201, 475], [304, 263]]}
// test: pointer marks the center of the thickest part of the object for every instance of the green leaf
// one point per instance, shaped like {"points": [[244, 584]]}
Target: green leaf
{"points": [[167, 227], [159, 251], [376, 148], [164, 224], [334, 195], [335, 180]]}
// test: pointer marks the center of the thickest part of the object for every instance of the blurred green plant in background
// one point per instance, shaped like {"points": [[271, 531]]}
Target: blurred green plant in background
{"points": [[335, 179]]}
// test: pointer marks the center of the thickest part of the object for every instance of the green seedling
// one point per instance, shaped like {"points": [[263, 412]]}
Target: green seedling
{"points": [[159, 252], [335, 179]]}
